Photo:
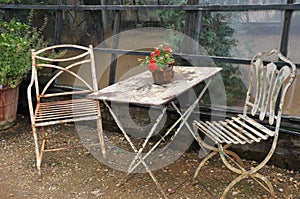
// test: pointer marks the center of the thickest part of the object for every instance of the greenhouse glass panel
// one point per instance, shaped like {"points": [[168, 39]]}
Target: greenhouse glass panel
{"points": [[242, 2], [256, 31], [293, 97]]}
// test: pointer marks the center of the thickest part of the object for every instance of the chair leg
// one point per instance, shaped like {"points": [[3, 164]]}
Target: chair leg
{"points": [[37, 152], [270, 188], [202, 164], [236, 180], [231, 153], [236, 157], [101, 137], [243, 173]]}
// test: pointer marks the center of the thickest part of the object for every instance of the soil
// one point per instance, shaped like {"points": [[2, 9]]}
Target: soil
{"points": [[78, 174]]}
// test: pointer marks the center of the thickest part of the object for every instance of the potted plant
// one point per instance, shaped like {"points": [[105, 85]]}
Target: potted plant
{"points": [[160, 63], [16, 41]]}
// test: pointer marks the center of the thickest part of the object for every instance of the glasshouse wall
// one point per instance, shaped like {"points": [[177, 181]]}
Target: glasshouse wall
{"points": [[238, 34]]}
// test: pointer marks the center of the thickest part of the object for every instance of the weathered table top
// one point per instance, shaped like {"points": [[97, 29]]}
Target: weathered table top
{"points": [[140, 89]]}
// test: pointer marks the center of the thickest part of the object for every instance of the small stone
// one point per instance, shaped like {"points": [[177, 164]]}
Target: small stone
{"points": [[296, 186], [280, 180], [280, 189], [235, 193]]}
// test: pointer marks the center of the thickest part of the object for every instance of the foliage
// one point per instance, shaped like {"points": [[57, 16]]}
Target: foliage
{"points": [[216, 38], [174, 20], [28, 1], [16, 41], [159, 59], [9, 1]]}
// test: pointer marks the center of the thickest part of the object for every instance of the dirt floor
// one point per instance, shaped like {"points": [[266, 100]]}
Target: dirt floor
{"points": [[77, 174]]}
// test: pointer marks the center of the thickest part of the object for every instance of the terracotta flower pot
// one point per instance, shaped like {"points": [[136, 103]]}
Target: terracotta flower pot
{"points": [[163, 77], [8, 106]]}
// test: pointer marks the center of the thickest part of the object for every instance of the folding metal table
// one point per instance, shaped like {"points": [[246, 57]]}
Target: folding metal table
{"points": [[140, 90]]}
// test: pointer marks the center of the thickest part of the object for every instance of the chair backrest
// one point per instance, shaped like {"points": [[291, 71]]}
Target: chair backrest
{"points": [[66, 64], [270, 83]]}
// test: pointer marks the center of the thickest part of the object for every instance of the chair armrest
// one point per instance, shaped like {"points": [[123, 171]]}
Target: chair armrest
{"points": [[29, 96]]}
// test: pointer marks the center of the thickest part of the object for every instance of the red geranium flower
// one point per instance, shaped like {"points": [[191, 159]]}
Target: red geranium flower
{"points": [[159, 59], [157, 52], [168, 49]]}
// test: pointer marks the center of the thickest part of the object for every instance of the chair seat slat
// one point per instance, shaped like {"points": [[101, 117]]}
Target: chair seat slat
{"points": [[243, 124], [235, 139], [209, 133], [240, 135], [59, 117], [258, 125], [220, 133], [231, 122], [216, 137], [55, 103], [67, 109], [63, 114], [63, 110], [66, 120]]}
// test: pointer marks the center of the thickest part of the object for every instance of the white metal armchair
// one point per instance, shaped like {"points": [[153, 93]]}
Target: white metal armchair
{"points": [[51, 110], [270, 84]]}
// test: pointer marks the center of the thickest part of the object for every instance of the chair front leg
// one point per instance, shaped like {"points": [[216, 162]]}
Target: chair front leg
{"points": [[202, 164], [101, 137], [37, 151]]}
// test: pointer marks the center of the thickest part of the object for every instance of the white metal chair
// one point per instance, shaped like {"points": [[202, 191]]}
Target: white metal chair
{"points": [[270, 83], [50, 108]]}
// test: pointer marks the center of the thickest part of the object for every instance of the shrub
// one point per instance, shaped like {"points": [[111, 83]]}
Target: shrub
{"points": [[16, 41]]}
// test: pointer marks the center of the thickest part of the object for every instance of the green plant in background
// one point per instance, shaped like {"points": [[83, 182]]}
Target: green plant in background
{"points": [[174, 20], [9, 1], [16, 41], [216, 38]]}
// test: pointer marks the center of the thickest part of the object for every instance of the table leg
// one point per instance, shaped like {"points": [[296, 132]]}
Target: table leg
{"points": [[147, 139], [135, 149], [183, 117], [188, 112]]}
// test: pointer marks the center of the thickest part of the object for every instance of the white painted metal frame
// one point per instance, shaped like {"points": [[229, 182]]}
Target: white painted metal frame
{"points": [[50, 111], [271, 84], [190, 77]]}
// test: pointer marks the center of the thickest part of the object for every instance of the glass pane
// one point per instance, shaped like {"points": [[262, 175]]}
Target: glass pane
{"points": [[256, 31], [243, 2], [293, 98], [253, 31]]}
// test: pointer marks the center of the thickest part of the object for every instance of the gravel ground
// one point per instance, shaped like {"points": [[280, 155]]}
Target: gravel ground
{"points": [[77, 174]]}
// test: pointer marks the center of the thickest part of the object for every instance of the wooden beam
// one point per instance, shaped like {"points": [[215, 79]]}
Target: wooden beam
{"points": [[192, 29], [286, 30], [58, 23], [113, 66], [233, 60], [201, 7]]}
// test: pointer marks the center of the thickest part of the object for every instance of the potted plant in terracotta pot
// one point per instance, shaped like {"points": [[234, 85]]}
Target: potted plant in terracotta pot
{"points": [[16, 41], [160, 63]]}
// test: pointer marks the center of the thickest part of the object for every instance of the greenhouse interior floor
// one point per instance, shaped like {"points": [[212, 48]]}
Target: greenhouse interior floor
{"points": [[78, 174]]}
